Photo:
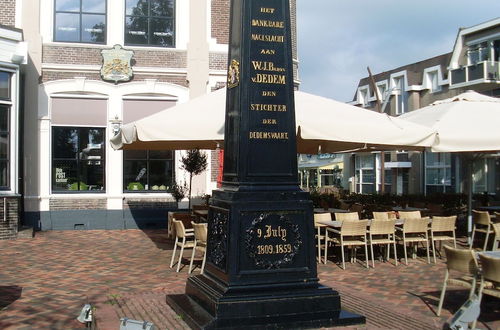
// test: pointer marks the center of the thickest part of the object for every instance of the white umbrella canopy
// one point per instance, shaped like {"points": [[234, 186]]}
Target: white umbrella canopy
{"points": [[467, 123], [323, 125], [464, 123]]}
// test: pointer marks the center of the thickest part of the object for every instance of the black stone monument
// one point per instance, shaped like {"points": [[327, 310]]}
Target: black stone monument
{"points": [[261, 263]]}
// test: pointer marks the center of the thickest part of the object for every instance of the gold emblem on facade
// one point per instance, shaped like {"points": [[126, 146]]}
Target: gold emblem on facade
{"points": [[233, 74], [116, 64]]}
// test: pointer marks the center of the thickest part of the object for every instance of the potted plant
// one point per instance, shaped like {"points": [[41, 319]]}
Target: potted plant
{"points": [[194, 162], [178, 192]]}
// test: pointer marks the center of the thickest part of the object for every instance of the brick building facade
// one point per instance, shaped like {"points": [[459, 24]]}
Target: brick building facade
{"points": [[70, 177], [473, 64], [12, 59]]}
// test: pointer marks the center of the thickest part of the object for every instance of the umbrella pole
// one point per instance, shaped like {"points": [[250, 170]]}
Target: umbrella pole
{"points": [[468, 161]]}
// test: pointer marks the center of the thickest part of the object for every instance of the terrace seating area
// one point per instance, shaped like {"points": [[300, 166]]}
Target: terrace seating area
{"points": [[126, 273]]}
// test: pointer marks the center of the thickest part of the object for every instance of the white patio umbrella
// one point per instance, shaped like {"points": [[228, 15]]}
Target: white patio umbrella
{"points": [[468, 123], [464, 123], [323, 125]]}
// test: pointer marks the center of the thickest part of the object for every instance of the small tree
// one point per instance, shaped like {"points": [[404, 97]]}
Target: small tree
{"points": [[194, 162]]}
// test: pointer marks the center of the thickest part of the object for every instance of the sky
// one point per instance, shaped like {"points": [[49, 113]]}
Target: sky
{"points": [[339, 39]]}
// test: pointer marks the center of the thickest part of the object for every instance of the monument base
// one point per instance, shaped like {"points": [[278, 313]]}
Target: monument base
{"points": [[206, 306]]}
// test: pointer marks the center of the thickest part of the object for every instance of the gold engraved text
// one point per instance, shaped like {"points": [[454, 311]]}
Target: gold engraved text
{"points": [[267, 52], [267, 10], [269, 135], [262, 78], [269, 24], [272, 232], [274, 249], [266, 66], [269, 93], [267, 38], [268, 107], [269, 121]]}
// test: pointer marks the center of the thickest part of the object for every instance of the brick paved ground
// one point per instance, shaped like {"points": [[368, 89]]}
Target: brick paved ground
{"points": [[45, 281]]}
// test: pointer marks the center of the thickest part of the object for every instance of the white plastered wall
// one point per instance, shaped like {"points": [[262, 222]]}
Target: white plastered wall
{"points": [[114, 159]]}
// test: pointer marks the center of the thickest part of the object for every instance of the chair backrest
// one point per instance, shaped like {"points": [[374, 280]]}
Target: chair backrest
{"points": [[409, 215], [180, 230], [481, 217], [322, 217], [354, 228], [490, 268], [443, 223], [462, 260], [348, 216], [380, 215], [496, 228], [200, 232], [382, 227], [416, 225]]}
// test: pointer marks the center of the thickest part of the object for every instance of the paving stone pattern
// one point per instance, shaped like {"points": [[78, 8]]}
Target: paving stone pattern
{"points": [[45, 281]]}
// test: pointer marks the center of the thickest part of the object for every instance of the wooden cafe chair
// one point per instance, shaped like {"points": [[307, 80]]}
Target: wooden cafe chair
{"points": [[321, 231], [346, 216], [414, 231], [442, 229], [463, 265], [184, 238], [481, 222], [351, 234], [382, 232], [200, 244]]}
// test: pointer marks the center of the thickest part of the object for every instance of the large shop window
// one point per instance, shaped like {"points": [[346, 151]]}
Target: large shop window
{"points": [[148, 170], [150, 22], [80, 21], [78, 159]]}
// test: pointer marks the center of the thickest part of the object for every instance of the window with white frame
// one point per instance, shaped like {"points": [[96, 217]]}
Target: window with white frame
{"points": [[78, 157], [401, 95], [148, 170], [433, 81], [382, 90], [150, 22], [363, 96], [365, 173], [5, 111], [80, 21], [438, 171], [478, 53]]}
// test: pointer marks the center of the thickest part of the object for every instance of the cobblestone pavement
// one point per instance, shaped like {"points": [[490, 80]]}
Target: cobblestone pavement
{"points": [[45, 281]]}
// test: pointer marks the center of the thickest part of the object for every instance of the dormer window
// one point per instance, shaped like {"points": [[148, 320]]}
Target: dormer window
{"points": [[433, 81], [363, 97]]}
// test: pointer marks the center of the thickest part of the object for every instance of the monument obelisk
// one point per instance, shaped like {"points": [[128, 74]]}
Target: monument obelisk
{"points": [[261, 262]]}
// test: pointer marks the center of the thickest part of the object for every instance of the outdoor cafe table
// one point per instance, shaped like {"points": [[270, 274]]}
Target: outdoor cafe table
{"points": [[493, 254], [338, 224], [409, 208], [494, 208], [329, 210], [201, 214]]}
